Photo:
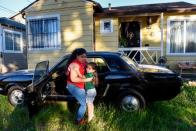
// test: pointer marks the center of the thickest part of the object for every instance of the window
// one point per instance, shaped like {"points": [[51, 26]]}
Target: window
{"points": [[12, 41], [106, 26], [44, 32], [182, 37], [101, 65], [117, 64]]}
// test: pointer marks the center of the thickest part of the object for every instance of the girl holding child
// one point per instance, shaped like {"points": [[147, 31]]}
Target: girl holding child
{"points": [[78, 81]]}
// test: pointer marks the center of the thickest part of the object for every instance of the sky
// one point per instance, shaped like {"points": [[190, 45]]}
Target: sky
{"points": [[9, 8]]}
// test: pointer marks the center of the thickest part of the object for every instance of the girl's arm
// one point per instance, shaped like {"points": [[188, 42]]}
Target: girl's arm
{"points": [[95, 80]]}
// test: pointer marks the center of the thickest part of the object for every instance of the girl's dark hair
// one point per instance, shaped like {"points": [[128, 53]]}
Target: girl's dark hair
{"points": [[94, 67], [74, 54]]}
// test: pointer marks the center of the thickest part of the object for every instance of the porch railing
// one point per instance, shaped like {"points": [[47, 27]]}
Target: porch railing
{"points": [[142, 55]]}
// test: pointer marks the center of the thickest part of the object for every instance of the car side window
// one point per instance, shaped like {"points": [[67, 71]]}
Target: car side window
{"points": [[61, 65], [116, 64], [59, 69], [101, 65]]}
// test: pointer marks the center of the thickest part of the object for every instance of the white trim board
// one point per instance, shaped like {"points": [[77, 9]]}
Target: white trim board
{"points": [[1, 39]]}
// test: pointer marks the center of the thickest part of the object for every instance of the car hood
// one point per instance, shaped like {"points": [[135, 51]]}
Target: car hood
{"points": [[17, 73], [153, 69]]}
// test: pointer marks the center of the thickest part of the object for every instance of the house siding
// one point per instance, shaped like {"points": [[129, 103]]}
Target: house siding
{"points": [[106, 41], [150, 36], [76, 24]]}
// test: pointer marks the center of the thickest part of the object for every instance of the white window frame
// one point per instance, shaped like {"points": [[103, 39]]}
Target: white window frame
{"points": [[102, 21], [21, 41], [178, 18], [1, 39], [58, 28]]}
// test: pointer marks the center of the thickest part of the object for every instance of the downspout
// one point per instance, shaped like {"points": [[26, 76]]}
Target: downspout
{"points": [[162, 33], [26, 38]]}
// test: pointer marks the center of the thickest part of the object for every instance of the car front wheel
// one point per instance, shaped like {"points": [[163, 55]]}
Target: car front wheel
{"points": [[16, 96], [131, 102]]}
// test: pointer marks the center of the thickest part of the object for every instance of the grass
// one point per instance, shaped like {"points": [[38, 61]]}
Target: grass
{"points": [[177, 114]]}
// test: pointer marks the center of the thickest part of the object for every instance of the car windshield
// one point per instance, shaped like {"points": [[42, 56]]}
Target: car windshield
{"points": [[130, 62]]}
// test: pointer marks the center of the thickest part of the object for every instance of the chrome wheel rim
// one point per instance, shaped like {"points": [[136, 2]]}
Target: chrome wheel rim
{"points": [[130, 103], [17, 97]]}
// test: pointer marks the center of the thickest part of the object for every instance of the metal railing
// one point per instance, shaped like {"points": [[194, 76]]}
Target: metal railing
{"points": [[142, 55]]}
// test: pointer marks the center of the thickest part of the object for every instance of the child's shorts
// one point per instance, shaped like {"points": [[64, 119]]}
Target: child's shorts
{"points": [[90, 95]]}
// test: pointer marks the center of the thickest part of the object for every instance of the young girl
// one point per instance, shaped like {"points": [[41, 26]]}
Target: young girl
{"points": [[90, 88]]}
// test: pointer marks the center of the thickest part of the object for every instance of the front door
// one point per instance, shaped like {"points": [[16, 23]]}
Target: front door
{"points": [[130, 37]]}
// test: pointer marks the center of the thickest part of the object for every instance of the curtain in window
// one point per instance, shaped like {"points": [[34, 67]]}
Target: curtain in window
{"points": [[8, 41], [12, 41], [43, 33], [17, 39], [191, 36], [176, 37]]}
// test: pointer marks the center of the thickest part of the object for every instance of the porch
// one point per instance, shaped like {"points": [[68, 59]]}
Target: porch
{"points": [[142, 55], [141, 37]]}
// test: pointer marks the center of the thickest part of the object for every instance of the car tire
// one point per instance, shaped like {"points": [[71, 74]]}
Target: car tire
{"points": [[131, 101], [16, 96], [72, 107]]}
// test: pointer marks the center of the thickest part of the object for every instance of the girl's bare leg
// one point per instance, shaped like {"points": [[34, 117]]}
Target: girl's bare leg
{"points": [[90, 107]]}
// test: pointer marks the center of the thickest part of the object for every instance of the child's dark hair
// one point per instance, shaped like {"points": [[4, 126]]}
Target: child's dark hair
{"points": [[94, 67]]}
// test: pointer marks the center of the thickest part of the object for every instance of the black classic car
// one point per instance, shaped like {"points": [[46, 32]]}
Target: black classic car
{"points": [[121, 81]]}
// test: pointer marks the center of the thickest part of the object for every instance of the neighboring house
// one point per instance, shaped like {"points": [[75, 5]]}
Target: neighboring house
{"points": [[18, 18], [56, 27], [13, 49]]}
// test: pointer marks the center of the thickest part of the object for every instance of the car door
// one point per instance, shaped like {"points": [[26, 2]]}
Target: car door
{"points": [[102, 71], [40, 80], [121, 76], [45, 81], [112, 74]]}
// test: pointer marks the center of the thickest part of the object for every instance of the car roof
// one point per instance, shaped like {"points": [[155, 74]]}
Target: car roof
{"points": [[101, 53]]}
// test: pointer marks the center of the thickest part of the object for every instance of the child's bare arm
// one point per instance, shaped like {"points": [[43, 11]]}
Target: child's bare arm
{"points": [[75, 74]]}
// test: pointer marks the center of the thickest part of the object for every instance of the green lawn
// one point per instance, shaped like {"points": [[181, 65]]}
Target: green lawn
{"points": [[177, 114]]}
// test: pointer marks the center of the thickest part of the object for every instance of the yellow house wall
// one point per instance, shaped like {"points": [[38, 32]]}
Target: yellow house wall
{"points": [[106, 41], [150, 36], [76, 24]]}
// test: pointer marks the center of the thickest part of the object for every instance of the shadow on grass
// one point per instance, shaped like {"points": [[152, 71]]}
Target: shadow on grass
{"points": [[177, 114], [52, 116], [158, 116]]}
